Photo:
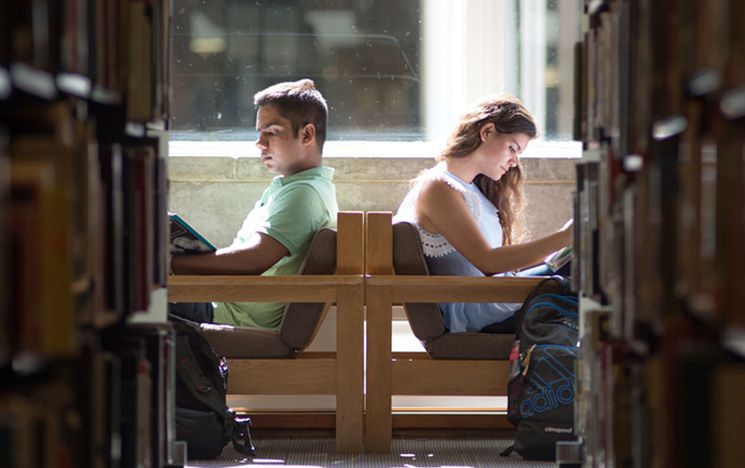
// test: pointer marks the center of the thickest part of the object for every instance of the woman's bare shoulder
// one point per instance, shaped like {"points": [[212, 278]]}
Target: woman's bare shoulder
{"points": [[437, 186], [440, 195]]}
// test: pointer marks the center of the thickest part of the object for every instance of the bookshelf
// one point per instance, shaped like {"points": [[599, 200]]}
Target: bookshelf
{"points": [[660, 232], [86, 355]]}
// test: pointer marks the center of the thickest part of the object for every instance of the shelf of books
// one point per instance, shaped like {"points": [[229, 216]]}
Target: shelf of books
{"points": [[659, 248], [86, 357]]}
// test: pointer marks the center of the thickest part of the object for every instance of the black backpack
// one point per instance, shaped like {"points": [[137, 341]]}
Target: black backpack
{"points": [[541, 386], [203, 418]]}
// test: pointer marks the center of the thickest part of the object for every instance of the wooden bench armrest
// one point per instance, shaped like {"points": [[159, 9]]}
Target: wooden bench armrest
{"points": [[289, 288], [427, 289]]}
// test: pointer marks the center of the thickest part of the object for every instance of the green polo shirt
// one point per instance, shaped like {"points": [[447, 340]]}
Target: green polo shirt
{"points": [[290, 211]]}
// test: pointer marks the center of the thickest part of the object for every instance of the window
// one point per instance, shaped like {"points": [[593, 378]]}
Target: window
{"points": [[392, 70]]}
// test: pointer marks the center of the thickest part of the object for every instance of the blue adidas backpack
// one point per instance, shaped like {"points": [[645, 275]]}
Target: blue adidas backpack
{"points": [[541, 386]]}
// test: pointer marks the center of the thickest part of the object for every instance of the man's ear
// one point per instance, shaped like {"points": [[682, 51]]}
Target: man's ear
{"points": [[308, 134]]}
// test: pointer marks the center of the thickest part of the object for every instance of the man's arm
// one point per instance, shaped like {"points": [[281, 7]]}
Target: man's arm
{"points": [[261, 252]]}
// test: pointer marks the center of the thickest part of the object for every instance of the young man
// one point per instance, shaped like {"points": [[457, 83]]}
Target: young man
{"points": [[275, 236]]}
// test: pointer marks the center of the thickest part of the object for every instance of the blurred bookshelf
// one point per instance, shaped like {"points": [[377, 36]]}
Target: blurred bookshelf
{"points": [[661, 224], [86, 355]]}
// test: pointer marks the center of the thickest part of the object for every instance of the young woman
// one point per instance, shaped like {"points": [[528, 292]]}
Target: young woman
{"points": [[465, 209]]}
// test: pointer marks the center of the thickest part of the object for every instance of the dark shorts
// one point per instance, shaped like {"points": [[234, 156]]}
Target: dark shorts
{"points": [[202, 312], [505, 326]]}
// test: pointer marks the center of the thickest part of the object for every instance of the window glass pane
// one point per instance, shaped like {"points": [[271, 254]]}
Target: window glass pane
{"points": [[562, 33], [548, 31], [363, 58], [391, 70]]}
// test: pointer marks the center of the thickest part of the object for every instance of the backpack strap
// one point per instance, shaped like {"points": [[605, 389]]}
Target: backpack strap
{"points": [[241, 436], [508, 451], [189, 371], [564, 288]]}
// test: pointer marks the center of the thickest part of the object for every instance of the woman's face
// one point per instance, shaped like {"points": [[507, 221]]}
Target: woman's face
{"points": [[501, 150]]}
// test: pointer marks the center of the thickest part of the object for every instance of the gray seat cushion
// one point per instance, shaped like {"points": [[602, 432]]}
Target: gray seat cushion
{"points": [[300, 322], [426, 319], [245, 342]]}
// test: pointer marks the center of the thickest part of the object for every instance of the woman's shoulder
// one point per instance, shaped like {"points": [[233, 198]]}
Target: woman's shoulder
{"points": [[434, 189], [440, 181], [442, 191], [439, 187]]}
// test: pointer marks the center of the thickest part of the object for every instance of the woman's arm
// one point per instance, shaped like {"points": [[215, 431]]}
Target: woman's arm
{"points": [[441, 209]]}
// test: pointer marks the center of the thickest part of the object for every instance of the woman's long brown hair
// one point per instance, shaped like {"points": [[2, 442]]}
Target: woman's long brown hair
{"points": [[508, 116]]}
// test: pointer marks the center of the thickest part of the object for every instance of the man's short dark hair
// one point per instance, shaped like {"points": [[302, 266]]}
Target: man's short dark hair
{"points": [[299, 102]]}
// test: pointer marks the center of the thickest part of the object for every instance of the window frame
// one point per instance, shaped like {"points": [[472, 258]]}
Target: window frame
{"points": [[364, 149]]}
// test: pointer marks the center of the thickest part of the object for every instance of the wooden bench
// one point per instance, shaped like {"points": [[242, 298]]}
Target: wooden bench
{"points": [[455, 363], [263, 362]]}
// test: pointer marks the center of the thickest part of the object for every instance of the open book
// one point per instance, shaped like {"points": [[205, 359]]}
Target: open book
{"points": [[559, 258], [186, 239]]}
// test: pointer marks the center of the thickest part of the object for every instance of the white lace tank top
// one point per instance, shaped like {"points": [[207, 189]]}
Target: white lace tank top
{"points": [[482, 210], [443, 259]]}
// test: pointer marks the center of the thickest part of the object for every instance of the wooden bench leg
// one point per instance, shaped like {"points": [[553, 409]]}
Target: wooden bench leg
{"points": [[378, 420], [350, 403], [350, 335]]}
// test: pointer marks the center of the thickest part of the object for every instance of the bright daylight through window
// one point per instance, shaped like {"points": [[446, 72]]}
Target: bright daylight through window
{"points": [[392, 70]]}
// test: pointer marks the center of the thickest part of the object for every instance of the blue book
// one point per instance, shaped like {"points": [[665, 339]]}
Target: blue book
{"points": [[186, 239]]}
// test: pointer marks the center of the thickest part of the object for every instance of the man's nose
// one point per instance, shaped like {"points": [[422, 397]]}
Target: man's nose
{"points": [[260, 142]]}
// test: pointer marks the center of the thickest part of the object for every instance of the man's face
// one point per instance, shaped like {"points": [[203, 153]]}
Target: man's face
{"points": [[282, 151]]}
